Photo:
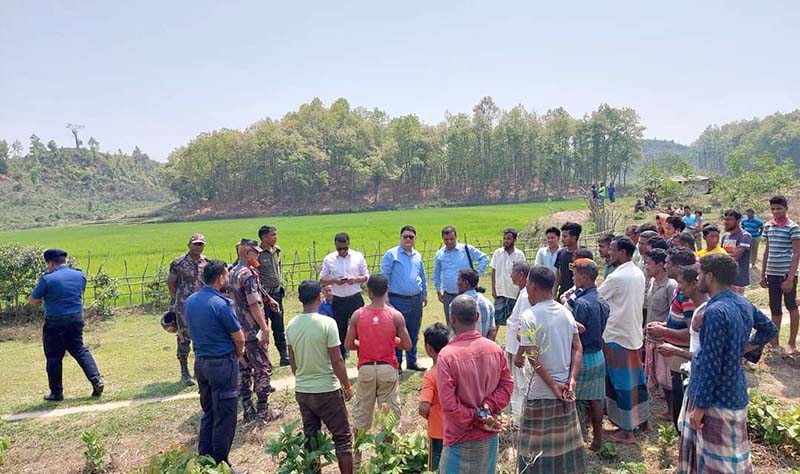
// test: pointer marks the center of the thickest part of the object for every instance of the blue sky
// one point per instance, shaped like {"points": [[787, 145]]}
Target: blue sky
{"points": [[157, 73]]}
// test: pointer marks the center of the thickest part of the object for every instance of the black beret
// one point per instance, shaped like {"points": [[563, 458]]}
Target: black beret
{"points": [[52, 254]]}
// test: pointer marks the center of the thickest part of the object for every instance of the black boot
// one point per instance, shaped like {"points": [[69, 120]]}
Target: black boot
{"points": [[284, 357], [250, 413], [54, 397], [265, 413], [186, 377], [97, 388]]}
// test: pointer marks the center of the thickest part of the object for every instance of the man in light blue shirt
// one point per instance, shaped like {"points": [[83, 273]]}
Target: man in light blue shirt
{"points": [[408, 289], [448, 261], [467, 282]]}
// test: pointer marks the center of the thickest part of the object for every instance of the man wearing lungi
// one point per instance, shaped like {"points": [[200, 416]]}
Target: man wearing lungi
{"points": [[550, 436], [715, 439], [627, 403]]}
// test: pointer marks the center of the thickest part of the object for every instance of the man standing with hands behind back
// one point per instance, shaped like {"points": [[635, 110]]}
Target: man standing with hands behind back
{"points": [[269, 272]]}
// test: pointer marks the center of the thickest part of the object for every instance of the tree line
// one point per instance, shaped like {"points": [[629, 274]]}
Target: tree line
{"points": [[367, 157]]}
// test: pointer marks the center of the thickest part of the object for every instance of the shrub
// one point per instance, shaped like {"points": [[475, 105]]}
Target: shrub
{"points": [[106, 291], [178, 460], [20, 269], [5, 445], [667, 437], [97, 459], [296, 454], [156, 292], [767, 421], [392, 452]]}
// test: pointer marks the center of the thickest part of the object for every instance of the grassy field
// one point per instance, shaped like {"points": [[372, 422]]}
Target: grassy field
{"points": [[142, 245]]}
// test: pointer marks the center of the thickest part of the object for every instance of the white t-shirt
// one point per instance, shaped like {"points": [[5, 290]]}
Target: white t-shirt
{"points": [[694, 336], [623, 290], [503, 263], [554, 340], [512, 323]]}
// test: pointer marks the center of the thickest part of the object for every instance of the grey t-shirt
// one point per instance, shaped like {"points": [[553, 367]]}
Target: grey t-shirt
{"points": [[659, 302]]}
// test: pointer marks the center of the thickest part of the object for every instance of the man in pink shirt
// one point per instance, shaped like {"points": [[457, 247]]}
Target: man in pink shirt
{"points": [[474, 383]]}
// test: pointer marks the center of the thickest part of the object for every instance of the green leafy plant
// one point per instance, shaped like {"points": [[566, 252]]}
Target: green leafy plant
{"points": [[392, 452], [5, 445], [667, 437], [20, 269], [96, 456], [297, 454], [106, 291], [156, 292], [608, 451], [178, 460], [631, 468], [768, 421]]}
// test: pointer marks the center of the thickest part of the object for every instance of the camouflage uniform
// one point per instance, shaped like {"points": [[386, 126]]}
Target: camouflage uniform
{"points": [[255, 369], [188, 277]]}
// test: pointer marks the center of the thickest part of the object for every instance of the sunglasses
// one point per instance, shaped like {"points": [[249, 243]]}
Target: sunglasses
{"points": [[199, 244], [409, 237], [343, 249]]}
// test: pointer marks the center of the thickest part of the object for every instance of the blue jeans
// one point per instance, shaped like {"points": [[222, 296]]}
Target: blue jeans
{"points": [[218, 382], [62, 334], [411, 308]]}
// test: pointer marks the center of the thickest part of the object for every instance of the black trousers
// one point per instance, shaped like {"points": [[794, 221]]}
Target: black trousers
{"points": [[677, 397], [276, 322], [64, 334], [218, 382], [343, 308]]}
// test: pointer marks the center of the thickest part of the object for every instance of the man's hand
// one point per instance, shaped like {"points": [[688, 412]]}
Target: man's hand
{"points": [[440, 295], [787, 285], [489, 423], [668, 350], [559, 389], [273, 305], [425, 301], [519, 360], [657, 329], [263, 337], [348, 393], [494, 293], [696, 418], [350, 280], [763, 283]]}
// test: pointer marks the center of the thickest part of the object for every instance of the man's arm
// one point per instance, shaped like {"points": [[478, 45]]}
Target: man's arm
{"points": [[492, 332], [424, 282], [292, 362], [765, 330], [386, 265], [482, 258], [788, 283], [326, 274], [352, 332], [523, 354], [709, 360], [460, 416], [238, 342], [172, 281], [401, 330], [501, 396], [340, 370], [39, 292], [494, 287], [577, 360], [764, 262], [437, 277]]}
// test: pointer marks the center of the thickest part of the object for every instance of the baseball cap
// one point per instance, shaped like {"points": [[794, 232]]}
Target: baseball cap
{"points": [[52, 254], [197, 238]]}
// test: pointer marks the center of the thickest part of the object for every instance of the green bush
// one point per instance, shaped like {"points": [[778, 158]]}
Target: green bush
{"points": [[5, 445], [767, 421], [292, 452], [156, 292], [106, 292], [392, 452], [178, 460], [667, 439], [20, 269], [97, 459]]}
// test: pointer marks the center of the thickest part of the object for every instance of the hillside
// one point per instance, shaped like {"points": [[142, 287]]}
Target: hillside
{"points": [[652, 148], [51, 185]]}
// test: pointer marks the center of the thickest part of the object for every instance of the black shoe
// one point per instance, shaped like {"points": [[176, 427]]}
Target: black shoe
{"points": [[54, 397], [416, 368], [284, 362], [97, 388]]}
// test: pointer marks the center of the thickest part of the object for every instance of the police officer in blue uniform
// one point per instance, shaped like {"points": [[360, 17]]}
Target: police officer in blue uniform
{"points": [[61, 289], [218, 343]]}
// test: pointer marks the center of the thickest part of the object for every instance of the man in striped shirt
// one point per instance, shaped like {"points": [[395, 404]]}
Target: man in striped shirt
{"points": [[467, 282], [779, 268]]}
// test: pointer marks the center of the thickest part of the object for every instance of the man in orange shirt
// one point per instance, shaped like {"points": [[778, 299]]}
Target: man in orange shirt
{"points": [[436, 337]]}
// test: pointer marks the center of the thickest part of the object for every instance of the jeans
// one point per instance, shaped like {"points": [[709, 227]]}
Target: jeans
{"points": [[411, 308], [62, 334], [218, 382]]}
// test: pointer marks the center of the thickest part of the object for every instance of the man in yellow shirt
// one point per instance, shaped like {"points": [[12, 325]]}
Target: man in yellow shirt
{"points": [[711, 236]]}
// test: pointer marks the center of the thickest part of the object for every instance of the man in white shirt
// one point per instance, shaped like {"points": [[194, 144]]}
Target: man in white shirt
{"points": [[627, 404], [546, 256], [345, 270], [504, 291], [519, 275]]}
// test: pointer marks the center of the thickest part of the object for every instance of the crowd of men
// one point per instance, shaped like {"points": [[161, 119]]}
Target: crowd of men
{"points": [[669, 318]]}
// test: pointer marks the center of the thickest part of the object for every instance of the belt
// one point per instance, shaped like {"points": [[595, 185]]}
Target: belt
{"points": [[451, 294], [215, 357], [404, 297], [347, 297], [377, 362]]}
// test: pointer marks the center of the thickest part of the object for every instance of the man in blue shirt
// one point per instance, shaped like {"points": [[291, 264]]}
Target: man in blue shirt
{"points": [[61, 289], [408, 288], [715, 427], [218, 344], [448, 261], [755, 227]]}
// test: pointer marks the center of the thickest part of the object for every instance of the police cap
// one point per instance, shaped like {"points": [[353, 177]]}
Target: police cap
{"points": [[53, 254], [249, 243]]}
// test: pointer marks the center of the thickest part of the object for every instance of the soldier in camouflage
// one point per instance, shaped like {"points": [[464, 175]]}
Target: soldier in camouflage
{"points": [[186, 277], [255, 369]]}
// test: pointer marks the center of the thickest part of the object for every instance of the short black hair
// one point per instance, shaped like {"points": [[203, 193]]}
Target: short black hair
{"points": [[342, 237], [605, 238], [583, 252], [378, 284], [751, 210], [733, 213], [687, 239], [589, 268], [676, 223], [521, 267], [688, 273], [309, 290], [448, 229], [542, 277], [408, 227], [625, 244], [511, 231], [681, 257], [724, 268], [779, 201], [437, 335], [687, 207], [266, 229], [470, 276], [657, 255], [464, 309], [657, 242], [709, 229], [573, 228], [633, 228], [212, 271], [553, 230], [648, 226]]}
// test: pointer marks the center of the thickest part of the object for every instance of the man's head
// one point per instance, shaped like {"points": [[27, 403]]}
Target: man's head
{"points": [[644, 238], [603, 244], [342, 243], [657, 242], [408, 237], [677, 258], [648, 226], [467, 279], [684, 241], [698, 213], [449, 237], [509, 238], [215, 274], [268, 235], [717, 272], [463, 313], [327, 293], [733, 219], [197, 242], [584, 273], [377, 285], [519, 273], [570, 233], [436, 337], [687, 211], [552, 236], [540, 284], [54, 258], [583, 253], [751, 213], [687, 281], [779, 206], [621, 250], [632, 232], [309, 292], [248, 251], [711, 236], [672, 226], [654, 263]]}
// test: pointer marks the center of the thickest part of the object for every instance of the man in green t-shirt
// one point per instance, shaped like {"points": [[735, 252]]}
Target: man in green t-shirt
{"points": [[321, 383]]}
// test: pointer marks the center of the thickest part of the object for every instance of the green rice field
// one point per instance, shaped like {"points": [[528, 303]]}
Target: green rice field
{"points": [[141, 247]]}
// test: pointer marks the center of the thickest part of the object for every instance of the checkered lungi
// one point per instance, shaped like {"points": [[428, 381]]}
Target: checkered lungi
{"points": [[550, 438], [470, 457], [721, 445], [591, 381]]}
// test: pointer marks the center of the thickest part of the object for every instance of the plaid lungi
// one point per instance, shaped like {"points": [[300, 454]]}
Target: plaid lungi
{"points": [[591, 381], [502, 309], [550, 438], [627, 404], [720, 447], [656, 370], [470, 457]]}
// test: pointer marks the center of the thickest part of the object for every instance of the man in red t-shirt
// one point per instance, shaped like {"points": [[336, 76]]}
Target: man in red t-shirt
{"points": [[376, 331]]}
